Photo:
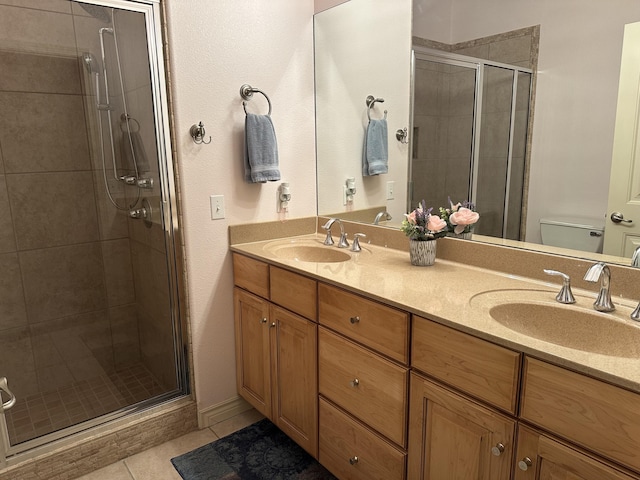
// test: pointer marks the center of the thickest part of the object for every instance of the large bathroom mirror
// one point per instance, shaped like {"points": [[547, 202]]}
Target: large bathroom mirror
{"points": [[576, 94]]}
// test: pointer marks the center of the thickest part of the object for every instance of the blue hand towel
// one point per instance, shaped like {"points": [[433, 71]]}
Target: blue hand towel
{"points": [[261, 150], [375, 157]]}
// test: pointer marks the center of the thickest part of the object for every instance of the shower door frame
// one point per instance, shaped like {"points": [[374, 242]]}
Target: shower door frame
{"points": [[428, 54], [10, 455]]}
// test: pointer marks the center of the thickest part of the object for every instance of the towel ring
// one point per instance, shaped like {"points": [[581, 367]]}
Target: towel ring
{"points": [[247, 91], [371, 100], [128, 121]]}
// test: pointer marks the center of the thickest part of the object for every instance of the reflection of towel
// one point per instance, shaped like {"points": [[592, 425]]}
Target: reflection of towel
{"points": [[375, 157], [261, 149], [139, 155]]}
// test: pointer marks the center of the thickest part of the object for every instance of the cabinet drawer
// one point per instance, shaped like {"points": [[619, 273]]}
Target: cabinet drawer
{"points": [[365, 384], [294, 292], [343, 440], [591, 413], [382, 328], [250, 274], [477, 367]]}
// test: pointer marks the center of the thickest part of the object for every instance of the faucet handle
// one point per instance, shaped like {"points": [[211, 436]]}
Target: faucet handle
{"points": [[356, 242], [565, 295]]}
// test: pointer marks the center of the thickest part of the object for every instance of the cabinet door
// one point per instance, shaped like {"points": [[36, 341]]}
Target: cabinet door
{"points": [[542, 458], [452, 437], [295, 377], [253, 374]]}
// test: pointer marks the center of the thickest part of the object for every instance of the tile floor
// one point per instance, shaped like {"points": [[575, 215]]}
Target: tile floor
{"points": [[43, 413], [155, 463]]}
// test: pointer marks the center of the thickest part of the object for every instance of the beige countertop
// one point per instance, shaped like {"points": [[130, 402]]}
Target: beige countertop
{"points": [[456, 295]]}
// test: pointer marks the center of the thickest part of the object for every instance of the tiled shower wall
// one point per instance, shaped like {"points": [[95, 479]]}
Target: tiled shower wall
{"points": [[83, 289], [443, 123]]}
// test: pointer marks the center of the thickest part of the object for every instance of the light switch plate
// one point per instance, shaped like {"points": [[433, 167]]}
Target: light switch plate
{"points": [[217, 206], [390, 186]]}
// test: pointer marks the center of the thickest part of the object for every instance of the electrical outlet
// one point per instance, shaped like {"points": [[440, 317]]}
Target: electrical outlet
{"points": [[390, 190], [217, 206]]}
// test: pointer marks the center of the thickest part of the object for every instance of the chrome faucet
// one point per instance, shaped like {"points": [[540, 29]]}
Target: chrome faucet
{"points": [[379, 216], [565, 295], [635, 258], [600, 271], [342, 243]]}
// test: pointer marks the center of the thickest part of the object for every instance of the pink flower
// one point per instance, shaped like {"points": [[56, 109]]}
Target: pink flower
{"points": [[463, 217], [436, 224], [411, 217]]}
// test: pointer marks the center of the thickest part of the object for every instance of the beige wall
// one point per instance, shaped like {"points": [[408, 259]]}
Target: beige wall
{"points": [[213, 51], [321, 5]]}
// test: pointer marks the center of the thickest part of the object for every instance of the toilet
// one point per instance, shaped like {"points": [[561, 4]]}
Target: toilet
{"points": [[576, 233]]}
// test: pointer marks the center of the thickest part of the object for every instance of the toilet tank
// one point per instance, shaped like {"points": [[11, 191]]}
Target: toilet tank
{"points": [[576, 233]]}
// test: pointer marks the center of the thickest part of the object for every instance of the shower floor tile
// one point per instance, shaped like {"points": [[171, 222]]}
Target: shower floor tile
{"points": [[43, 413]]}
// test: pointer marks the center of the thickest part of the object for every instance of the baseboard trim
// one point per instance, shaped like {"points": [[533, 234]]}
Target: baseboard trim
{"points": [[222, 411]]}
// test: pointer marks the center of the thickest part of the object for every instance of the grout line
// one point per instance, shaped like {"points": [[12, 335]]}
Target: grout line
{"points": [[124, 462]]}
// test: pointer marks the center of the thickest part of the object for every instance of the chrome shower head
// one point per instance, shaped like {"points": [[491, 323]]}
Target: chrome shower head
{"points": [[90, 62], [101, 13]]}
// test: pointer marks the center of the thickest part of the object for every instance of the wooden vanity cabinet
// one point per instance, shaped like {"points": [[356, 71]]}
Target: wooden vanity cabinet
{"points": [[452, 436], [468, 409], [539, 457], [363, 386], [276, 358]]}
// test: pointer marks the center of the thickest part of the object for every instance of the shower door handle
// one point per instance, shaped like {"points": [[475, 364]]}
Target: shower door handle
{"points": [[4, 386]]}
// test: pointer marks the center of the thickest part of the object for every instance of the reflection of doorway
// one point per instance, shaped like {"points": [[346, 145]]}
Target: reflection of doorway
{"points": [[623, 237], [470, 123]]}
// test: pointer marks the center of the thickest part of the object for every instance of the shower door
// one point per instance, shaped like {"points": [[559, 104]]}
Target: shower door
{"points": [[470, 121], [90, 328]]}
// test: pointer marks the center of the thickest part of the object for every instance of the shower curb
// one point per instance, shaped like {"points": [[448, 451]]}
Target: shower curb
{"points": [[108, 444]]}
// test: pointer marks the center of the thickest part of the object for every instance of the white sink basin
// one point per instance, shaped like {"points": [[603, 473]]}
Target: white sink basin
{"points": [[536, 314]]}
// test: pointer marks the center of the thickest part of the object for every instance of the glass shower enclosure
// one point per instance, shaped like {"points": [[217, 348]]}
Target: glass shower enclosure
{"points": [[470, 123], [90, 325]]}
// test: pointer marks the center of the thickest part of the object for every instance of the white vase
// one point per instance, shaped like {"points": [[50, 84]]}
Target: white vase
{"points": [[422, 252]]}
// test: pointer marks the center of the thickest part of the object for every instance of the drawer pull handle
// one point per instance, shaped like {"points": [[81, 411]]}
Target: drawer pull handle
{"points": [[497, 449], [354, 320], [263, 320], [353, 460], [355, 382], [524, 464]]}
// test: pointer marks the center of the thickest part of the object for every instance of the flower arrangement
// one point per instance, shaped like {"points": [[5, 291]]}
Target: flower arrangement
{"points": [[422, 225], [460, 217]]}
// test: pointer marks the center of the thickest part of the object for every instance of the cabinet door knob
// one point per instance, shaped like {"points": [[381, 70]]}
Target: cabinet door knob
{"points": [[355, 382], [263, 320], [354, 320], [273, 324], [497, 449], [353, 460], [524, 464]]}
